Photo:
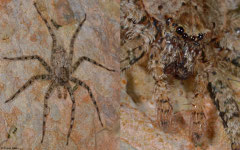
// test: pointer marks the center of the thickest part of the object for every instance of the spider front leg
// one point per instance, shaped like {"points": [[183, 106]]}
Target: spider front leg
{"points": [[42, 61], [84, 58], [74, 38], [164, 113], [82, 84], [132, 59], [28, 83], [50, 30], [197, 125], [45, 107], [163, 103]]}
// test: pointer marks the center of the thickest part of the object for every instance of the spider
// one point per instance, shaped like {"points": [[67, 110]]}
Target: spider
{"points": [[59, 74], [182, 43]]}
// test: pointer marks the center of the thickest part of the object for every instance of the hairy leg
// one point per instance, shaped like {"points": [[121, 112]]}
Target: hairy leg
{"points": [[84, 58], [82, 84], [28, 83], [70, 91], [74, 38], [132, 58], [42, 61], [45, 107], [50, 30], [133, 61], [164, 113], [131, 53]]}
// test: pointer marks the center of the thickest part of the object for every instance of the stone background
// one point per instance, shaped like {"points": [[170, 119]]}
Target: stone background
{"points": [[22, 32]]}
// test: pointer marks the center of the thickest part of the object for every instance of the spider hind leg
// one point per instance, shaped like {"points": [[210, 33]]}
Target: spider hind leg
{"points": [[46, 108], [82, 84], [27, 84], [70, 91]]}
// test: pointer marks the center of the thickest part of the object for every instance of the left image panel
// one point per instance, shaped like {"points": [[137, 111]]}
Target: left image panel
{"points": [[59, 74]]}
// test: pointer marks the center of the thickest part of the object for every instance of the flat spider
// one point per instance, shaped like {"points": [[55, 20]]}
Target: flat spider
{"points": [[59, 73], [184, 40]]}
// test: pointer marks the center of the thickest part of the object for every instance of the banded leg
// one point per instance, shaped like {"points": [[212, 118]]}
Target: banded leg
{"points": [[133, 61], [75, 87], [45, 107], [70, 91], [197, 124], [164, 113], [74, 38], [82, 84], [48, 26], [84, 58], [43, 62], [131, 53], [28, 83]]}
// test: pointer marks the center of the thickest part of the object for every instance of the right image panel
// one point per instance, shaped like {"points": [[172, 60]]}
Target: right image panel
{"points": [[180, 69]]}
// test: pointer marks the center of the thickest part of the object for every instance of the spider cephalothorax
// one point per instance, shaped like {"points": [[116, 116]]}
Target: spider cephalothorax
{"points": [[179, 50]]}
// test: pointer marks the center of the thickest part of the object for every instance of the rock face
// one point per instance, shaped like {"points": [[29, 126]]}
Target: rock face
{"points": [[201, 107], [23, 32]]}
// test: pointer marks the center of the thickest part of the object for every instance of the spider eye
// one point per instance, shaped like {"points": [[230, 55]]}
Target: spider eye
{"points": [[180, 30], [193, 38], [185, 36], [200, 36]]}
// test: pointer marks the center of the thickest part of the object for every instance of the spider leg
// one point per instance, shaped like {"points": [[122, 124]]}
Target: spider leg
{"points": [[133, 61], [75, 87], [42, 61], [125, 59], [164, 112], [70, 91], [50, 30], [28, 83], [57, 26], [45, 107], [74, 38], [84, 58], [82, 84], [131, 53]]}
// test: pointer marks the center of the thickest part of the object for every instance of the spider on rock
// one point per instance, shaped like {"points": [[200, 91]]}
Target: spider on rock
{"points": [[59, 73], [184, 42]]}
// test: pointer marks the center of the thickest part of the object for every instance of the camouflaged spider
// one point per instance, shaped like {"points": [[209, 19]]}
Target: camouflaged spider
{"points": [[59, 73], [186, 41]]}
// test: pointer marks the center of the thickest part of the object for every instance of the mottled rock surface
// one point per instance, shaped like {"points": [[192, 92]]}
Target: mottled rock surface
{"points": [[22, 32]]}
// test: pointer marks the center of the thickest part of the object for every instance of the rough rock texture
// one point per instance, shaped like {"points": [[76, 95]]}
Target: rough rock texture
{"points": [[22, 32]]}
